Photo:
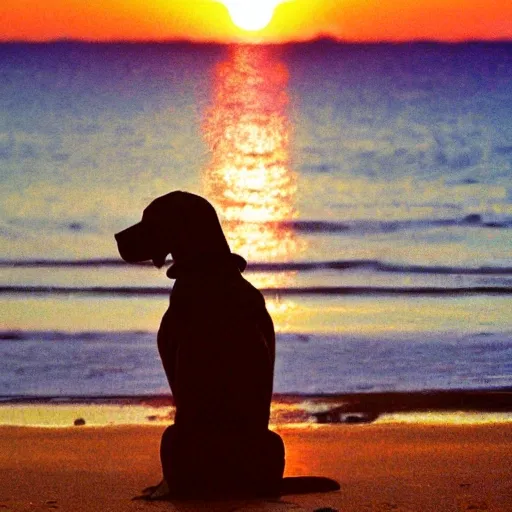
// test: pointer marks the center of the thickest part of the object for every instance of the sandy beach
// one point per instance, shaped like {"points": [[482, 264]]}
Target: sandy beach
{"points": [[389, 467]]}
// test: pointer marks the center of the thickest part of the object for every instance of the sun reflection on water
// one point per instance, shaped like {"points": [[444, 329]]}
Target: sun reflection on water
{"points": [[249, 177]]}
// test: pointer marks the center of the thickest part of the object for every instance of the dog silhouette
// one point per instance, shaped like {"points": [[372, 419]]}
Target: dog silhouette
{"points": [[217, 346]]}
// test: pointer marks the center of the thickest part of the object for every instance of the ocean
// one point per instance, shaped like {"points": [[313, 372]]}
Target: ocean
{"points": [[368, 186]]}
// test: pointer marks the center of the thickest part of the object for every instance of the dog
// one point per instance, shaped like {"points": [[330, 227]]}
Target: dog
{"points": [[217, 346]]}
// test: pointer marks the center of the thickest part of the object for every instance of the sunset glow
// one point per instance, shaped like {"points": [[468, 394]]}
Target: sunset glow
{"points": [[269, 20], [251, 15]]}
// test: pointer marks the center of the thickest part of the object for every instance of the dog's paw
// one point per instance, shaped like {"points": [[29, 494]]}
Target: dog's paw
{"points": [[155, 492]]}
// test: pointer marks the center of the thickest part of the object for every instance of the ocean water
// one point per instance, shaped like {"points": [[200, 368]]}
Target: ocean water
{"points": [[369, 187]]}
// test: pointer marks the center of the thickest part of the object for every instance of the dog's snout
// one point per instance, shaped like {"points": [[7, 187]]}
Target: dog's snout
{"points": [[133, 244]]}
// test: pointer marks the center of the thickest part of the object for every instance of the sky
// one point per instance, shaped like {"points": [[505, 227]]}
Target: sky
{"points": [[293, 20]]}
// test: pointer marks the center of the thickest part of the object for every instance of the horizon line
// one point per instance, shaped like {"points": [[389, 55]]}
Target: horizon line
{"points": [[319, 39]]}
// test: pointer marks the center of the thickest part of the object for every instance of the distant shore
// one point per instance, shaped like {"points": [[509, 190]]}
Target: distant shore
{"points": [[317, 43]]}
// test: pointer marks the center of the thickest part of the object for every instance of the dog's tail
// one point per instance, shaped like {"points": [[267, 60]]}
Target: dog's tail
{"points": [[308, 484]]}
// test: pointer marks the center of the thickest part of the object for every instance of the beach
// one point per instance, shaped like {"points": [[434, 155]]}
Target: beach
{"points": [[390, 467]]}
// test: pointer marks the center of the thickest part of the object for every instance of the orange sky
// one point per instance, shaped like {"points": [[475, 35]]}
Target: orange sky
{"points": [[208, 20]]}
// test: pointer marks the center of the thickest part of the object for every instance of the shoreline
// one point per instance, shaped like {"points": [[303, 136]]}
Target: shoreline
{"points": [[299, 411], [484, 399]]}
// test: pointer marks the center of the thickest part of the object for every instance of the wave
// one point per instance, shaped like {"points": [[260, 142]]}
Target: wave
{"points": [[307, 290], [303, 266], [377, 266], [93, 262], [377, 226], [64, 365], [139, 337], [78, 336], [361, 227]]}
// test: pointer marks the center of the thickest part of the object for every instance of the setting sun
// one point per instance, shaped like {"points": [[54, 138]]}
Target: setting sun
{"points": [[251, 15]]}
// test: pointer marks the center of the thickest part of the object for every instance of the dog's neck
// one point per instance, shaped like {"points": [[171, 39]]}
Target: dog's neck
{"points": [[207, 264]]}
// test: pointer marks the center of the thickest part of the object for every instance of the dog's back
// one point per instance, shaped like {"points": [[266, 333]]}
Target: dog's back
{"points": [[218, 346]]}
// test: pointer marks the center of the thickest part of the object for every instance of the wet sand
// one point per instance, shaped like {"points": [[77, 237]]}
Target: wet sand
{"points": [[381, 467]]}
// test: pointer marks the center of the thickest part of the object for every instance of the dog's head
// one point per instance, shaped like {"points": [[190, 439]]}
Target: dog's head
{"points": [[181, 224]]}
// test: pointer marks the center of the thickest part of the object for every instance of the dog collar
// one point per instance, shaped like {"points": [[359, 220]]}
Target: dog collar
{"points": [[206, 263]]}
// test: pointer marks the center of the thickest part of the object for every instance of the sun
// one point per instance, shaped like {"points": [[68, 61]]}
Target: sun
{"points": [[251, 15]]}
